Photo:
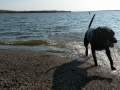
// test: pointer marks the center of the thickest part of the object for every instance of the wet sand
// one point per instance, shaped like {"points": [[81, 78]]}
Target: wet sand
{"points": [[28, 70]]}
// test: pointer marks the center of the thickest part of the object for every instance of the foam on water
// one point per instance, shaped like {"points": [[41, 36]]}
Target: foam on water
{"points": [[76, 51]]}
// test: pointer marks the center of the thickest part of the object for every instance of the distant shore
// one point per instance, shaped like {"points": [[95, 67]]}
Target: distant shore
{"points": [[51, 11]]}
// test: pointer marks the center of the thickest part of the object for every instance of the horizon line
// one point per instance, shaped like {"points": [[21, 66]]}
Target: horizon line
{"points": [[59, 10]]}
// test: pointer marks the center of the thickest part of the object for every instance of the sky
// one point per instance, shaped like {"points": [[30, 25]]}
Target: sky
{"points": [[67, 5]]}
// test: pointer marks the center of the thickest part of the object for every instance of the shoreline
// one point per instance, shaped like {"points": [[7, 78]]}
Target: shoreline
{"points": [[42, 48], [29, 70]]}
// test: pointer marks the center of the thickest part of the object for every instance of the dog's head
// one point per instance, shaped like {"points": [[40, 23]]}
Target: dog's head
{"points": [[106, 36]]}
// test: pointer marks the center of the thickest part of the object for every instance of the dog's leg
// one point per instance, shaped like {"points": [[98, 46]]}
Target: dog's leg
{"points": [[86, 42], [110, 59], [94, 57], [86, 46], [86, 51]]}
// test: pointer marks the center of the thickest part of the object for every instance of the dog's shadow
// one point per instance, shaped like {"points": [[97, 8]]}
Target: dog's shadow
{"points": [[71, 77]]}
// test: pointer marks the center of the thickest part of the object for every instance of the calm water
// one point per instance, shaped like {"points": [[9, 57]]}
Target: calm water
{"points": [[55, 32], [57, 29]]}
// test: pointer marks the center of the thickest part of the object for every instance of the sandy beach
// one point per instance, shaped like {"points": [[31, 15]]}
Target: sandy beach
{"points": [[28, 70]]}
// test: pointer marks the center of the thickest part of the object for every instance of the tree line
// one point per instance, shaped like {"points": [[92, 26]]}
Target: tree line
{"points": [[52, 11]]}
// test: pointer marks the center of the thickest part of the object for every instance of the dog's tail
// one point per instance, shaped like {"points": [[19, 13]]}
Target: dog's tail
{"points": [[91, 21]]}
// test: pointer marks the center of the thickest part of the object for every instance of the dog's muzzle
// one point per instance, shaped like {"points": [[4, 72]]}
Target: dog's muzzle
{"points": [[111, 44]]}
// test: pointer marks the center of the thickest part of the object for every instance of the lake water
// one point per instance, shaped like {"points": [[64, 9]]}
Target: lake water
{"points": [[61, 33]]}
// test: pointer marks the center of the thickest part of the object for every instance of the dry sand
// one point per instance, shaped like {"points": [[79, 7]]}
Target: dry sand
{"points": [[27, 70]]}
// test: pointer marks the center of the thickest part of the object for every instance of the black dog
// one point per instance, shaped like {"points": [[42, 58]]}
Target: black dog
{"points": [[100, 38]]}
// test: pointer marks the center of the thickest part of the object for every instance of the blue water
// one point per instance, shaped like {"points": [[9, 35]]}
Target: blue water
{"points": [[60, 28], [57, 32]]}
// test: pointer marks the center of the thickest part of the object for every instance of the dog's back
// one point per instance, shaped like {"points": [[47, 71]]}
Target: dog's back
{"points": [[88, 34]]}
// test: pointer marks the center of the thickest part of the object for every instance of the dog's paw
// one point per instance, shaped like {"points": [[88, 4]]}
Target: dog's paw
{"points": [[96, 65], [113, 68]]}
